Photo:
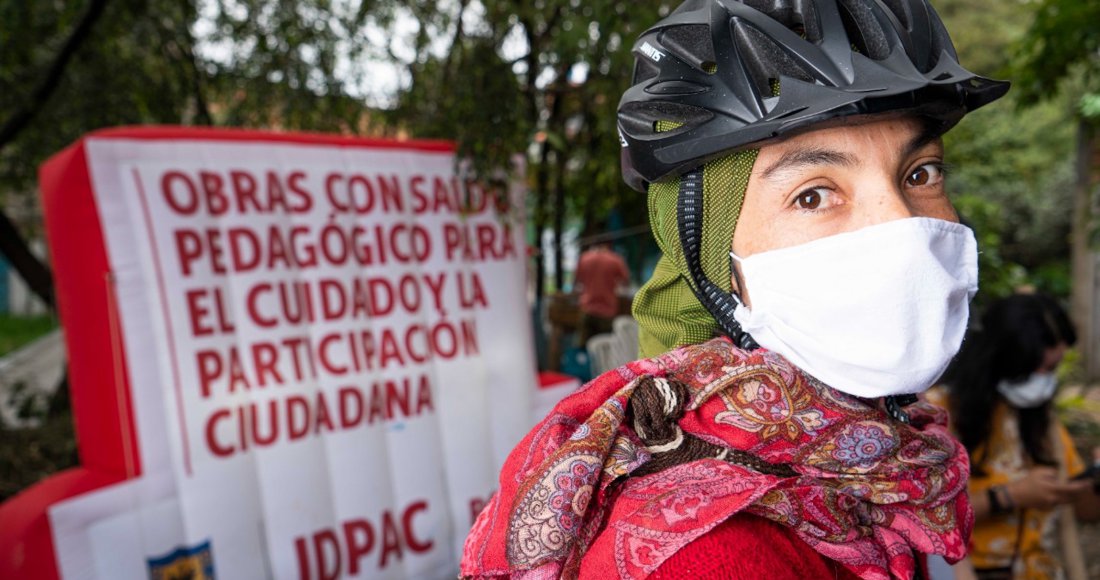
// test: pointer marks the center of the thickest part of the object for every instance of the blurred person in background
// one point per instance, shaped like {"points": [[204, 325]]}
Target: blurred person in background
{"points": [[1000, 392], [813, 278], [601, 274]]}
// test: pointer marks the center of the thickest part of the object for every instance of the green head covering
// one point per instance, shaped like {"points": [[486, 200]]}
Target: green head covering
{"points": [[668, 313]]}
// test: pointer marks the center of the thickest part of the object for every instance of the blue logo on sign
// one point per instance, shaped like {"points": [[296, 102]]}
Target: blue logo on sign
{"points": [[184, 563]]}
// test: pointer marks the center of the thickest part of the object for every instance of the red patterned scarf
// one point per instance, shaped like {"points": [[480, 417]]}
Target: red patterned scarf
{"points": [[658, 452]]}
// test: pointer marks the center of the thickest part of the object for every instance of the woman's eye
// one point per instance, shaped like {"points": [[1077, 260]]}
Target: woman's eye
{"points": [[927, 174], [809, 199]]}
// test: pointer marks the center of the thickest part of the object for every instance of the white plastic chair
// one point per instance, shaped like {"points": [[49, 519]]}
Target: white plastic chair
{"points": [[604, 353], [626, 330]]}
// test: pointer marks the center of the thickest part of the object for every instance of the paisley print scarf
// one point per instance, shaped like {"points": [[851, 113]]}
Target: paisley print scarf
{"points": [[648, 457]]}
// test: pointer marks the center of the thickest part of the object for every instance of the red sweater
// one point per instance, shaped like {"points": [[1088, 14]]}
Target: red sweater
{"points": [[747, 547]]}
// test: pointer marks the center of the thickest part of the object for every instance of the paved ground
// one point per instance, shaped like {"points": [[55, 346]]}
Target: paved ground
{"points": [[29, 376]]}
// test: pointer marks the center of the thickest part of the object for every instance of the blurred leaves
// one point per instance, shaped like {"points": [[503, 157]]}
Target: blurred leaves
{"points": [[1090, 106], [997, 276], [542, 78], [289, 64], [532, 75], [1062, 42], [491, 75], [133, 68], [501, 77], [1012, 162], [472, 95], [1023, 164]]}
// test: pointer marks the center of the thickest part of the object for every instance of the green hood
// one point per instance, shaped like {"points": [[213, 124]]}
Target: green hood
{"points": [[668, 313]]}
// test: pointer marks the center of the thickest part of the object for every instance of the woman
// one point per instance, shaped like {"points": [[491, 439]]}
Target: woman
{"points": [[792, 157], [1000, 392]]}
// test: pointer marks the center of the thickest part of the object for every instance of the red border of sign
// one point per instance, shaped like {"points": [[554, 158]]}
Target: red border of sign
{"points": [[176, 133], [86, 304]]}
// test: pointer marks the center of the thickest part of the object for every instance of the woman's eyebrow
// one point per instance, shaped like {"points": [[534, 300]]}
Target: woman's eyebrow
{"points": [[808, 157], [928, 135]]}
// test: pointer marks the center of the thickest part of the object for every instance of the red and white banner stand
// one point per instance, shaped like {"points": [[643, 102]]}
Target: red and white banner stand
{"points": [[291, 356]]}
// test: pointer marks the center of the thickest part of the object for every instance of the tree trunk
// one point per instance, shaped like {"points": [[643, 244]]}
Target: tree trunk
{"points": [[541, 175], [551, 357], [1084, 257], [542, 195], [12, 245], [30, 268], [559, 222]]}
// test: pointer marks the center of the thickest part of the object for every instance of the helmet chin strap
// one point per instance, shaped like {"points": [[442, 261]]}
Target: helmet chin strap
{"points": [[721, 304], [894, 404]]}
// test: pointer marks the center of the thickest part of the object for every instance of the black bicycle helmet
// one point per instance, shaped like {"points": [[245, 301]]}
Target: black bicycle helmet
{"points": [[720, 75]]}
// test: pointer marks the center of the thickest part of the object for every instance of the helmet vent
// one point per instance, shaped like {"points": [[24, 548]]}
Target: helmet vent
{"points": [[901, 12], [864, 30], [643, 120], [691, 42], [939, 42], [796, 15], [765, 59]]}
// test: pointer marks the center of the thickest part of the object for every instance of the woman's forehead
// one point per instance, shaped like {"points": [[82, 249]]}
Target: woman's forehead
{"points": [[846, 144], [841, 130]]}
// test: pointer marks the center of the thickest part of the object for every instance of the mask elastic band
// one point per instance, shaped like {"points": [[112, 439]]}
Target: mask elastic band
{"points": [[737, 277]]}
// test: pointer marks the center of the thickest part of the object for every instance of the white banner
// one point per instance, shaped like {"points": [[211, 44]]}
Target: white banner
{"points": [[328, 351]]}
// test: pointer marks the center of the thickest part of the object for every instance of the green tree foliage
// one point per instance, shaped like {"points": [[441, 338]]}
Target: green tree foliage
{"points": [[289, 64], [544, 77], [448, 98], [1062, 43], [498, 76], [136, 66], [1011, 162], [1060, 53], [1022, 163], [302, 65], [68, 68]]}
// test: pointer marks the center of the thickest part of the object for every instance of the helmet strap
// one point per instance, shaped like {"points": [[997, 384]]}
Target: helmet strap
{"points": [[689, 218], [894, 404]]}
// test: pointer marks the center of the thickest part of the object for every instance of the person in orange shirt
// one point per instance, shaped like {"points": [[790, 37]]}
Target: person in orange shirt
{"points": [[600, 274]]}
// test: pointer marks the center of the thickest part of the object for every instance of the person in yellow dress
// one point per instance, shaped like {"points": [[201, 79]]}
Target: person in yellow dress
{"points": [[999, 391]]}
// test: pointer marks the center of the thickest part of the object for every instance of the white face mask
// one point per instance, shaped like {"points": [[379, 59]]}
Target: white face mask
{"points": [[1029, 393], [875, 312]]}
